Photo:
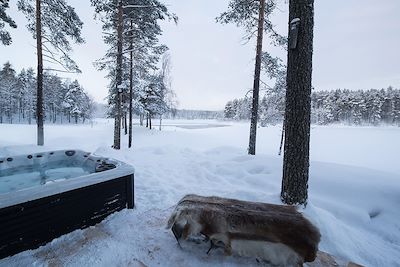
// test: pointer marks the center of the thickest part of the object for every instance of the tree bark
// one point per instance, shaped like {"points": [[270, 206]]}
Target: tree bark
{"points": [[256, 84], [298, 103], [20, 110], [282, 138], [150, 121], [39, 98], [117, 121], [130, 86], [125, 124], [30, 116]]}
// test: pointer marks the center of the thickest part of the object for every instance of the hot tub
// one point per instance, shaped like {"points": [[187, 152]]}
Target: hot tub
{"points": [[45, 195]]}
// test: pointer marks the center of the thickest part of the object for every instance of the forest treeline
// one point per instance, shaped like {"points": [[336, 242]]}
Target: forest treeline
{"points": [[65, 101], [362, 107]]}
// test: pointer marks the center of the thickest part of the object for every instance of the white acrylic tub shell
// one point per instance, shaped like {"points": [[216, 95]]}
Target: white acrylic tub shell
{"points": [[58, 186]]}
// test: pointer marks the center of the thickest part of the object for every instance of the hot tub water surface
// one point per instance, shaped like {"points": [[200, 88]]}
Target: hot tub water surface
{"points": [[25, 178], [45, 195]]}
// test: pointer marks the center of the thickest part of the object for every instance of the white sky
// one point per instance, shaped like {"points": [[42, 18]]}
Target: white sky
{"points": [[356, 46]]}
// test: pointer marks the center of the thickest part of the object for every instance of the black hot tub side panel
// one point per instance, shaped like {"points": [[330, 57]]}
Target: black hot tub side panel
{"points": [[34, 223]]}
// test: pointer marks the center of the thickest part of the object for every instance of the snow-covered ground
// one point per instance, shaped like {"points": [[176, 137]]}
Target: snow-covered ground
{"points": [[354, 190]]}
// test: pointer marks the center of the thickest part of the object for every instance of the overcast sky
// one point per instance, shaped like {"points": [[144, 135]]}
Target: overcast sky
{"points": [[356, 46]]}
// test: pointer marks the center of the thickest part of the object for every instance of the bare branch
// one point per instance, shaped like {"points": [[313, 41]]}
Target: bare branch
{"points": [[64, 71]]}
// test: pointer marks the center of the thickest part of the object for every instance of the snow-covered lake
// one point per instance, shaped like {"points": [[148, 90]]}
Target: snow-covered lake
{"points": [[354, 189]]}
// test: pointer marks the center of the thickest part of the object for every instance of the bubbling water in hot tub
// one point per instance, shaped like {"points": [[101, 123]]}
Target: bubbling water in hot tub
{"points": [[20, 172]]}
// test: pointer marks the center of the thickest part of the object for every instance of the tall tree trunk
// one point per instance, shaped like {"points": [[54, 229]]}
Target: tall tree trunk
{"points": [[282, 137], [256, 84], [30, 116], [39, 100], [147, 120], [125, 124], [160, 121], [20, 111], [117, 122], [150, 121], [10, 114], [54, 113], [130, 85], [298, 103]]}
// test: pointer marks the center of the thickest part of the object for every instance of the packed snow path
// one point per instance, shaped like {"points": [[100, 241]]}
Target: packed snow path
{"points": [[356, 208]]}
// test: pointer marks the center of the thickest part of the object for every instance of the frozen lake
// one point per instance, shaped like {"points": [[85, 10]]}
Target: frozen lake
{"points": [[370, 147], [354, 189], [197, 126]]}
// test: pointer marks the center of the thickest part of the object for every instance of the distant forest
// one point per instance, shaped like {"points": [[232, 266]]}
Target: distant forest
{"points": [[362, 107], [65, 101], [187, 114]]}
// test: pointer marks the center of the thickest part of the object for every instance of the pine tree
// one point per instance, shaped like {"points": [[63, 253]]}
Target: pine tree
{"points": [[387, 98], [8, 89], [396, 108], [72, 100], [52, 23], [256, 84], [27, 83], [5, 37], [30, 93], [236, 103], [229, 111], [51, 89], [376, 108], [138, 38], [358, 108], [370, 107], [298, 106], [18, 94], [274, 103], [245, 14]]}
